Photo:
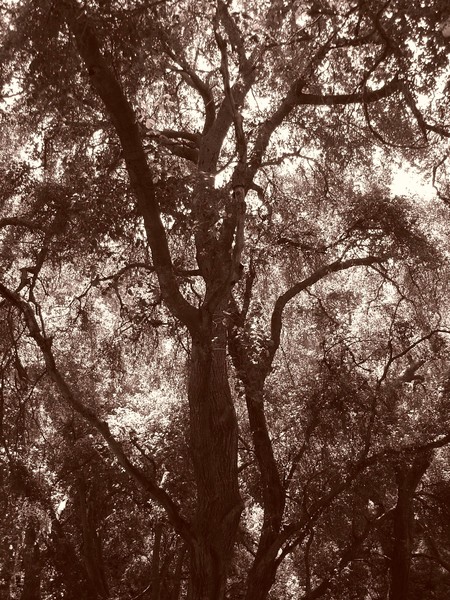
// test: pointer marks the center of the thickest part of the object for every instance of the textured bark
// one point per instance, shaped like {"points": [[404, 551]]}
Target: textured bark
{"points": [[408, 478], [213, 436]]}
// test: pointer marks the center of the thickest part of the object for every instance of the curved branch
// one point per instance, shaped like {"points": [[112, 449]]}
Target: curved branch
{"points": [[338, 265], [366, 96], [296, 97], [155, 492]]}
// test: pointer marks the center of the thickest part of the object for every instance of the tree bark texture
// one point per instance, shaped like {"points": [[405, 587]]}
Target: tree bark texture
{"points": [[408, 478], [213, 439]]}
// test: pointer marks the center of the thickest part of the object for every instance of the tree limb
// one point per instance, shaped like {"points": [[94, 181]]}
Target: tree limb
{"points": [[367, 96], [296, 97], [20, 222], [193, 80], [178, 149], [338, 265], [437, 555], [394, 357], [124, 120], [213, 141], [70, 397]]}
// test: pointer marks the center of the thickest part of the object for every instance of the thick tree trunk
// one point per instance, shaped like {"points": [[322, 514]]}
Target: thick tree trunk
{"points": [[408, 478], [213, 438], [261, 578]]}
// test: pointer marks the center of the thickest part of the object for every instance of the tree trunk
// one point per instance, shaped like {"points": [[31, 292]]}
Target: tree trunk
{"points": [[31, 565], [213, 439], [253, 375], [156, 578], [178, 573], [92, 549], [408, 478], [68, 565]]}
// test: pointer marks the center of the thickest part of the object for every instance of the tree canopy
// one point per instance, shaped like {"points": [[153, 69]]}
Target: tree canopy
{"points": [[224, 299]]}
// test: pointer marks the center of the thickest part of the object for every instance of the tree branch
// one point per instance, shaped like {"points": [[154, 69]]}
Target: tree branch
{"points": [[193, 80], [122, 115], [71, 399], [20, 222], [437, 555], [296, 97], [213, 141], [234, 35], [410, 371], [366, 96], [338, 265], [185, 151], [195, 138]]}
